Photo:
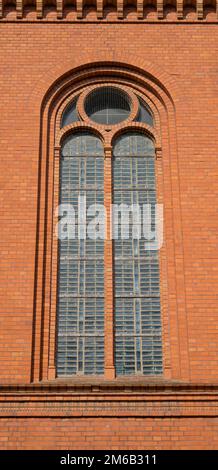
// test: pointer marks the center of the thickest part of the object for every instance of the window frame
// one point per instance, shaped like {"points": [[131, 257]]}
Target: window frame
{"points": [[70, 289], [108, 135], [173, 314]]}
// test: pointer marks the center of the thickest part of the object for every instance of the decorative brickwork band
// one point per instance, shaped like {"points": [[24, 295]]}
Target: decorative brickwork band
{"points": [[199, 13]]}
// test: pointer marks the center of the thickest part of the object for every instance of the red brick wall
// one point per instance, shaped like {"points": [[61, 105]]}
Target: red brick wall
{"points": [[104, 433], [187, 55]]}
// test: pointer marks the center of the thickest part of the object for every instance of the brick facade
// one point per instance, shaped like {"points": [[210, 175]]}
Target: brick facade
{"points": [[173, 62]]}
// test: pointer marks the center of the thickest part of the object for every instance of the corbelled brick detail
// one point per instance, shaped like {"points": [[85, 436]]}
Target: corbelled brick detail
{"points": [[77, 10]]}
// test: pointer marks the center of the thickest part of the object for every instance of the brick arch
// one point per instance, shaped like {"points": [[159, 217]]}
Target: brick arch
{"points": [[138, 127], [78, 127], [53, 78], [49, 91]]}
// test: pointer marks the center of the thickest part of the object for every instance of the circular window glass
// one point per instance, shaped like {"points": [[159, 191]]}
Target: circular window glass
{"points": [[107, 105]]}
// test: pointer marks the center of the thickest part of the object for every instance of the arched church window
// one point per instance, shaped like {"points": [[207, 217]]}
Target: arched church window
{"points": [[108, 285]]}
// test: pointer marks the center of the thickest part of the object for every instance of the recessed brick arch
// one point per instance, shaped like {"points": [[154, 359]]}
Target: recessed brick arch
{"points": [[55, 76], [51, 91]]}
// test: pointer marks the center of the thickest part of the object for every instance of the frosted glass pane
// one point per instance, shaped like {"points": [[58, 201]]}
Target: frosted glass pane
{"points": [[82, 145], [138, 346], [70, 114], [107, 105], [80, 342], [144, 114], [133, 145]]}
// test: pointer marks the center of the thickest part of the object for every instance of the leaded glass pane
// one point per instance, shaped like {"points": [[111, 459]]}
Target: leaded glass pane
{"points": [[70, 114], [82, 145], [107, 105], [80, 345], [133, 145], [144, 114], [136, 269]]}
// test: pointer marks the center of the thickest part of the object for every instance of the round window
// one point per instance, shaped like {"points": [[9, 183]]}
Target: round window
{"points": [[107, 105]]}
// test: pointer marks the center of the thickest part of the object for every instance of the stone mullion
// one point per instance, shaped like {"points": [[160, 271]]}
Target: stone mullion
{"points": [[108, 269]]}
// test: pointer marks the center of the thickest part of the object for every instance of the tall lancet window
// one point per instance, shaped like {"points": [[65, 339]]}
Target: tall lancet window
{"points": [[136, 270], [80, 344], [108, 310]]}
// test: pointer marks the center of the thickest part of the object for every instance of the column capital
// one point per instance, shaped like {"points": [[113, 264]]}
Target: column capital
{"points": [[57, 151], [107, 151], [158, 152]]}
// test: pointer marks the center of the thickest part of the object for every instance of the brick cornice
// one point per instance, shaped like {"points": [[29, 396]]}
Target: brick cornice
{"points": [[87, 385], [108, 399], [119, 13]]}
